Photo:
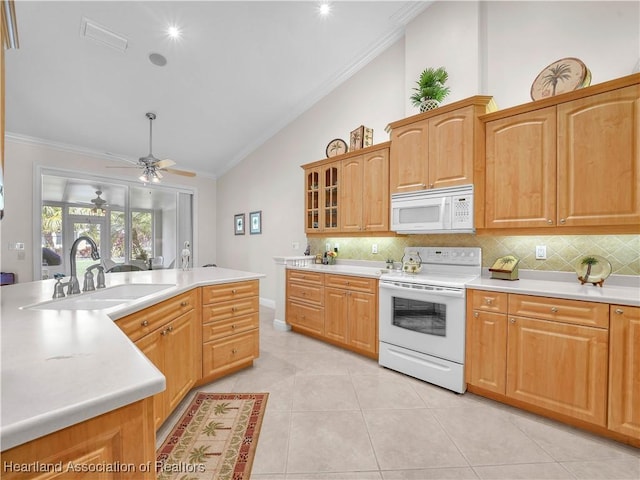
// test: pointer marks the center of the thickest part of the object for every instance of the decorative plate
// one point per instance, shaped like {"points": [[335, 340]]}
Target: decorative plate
{"points": [[337, 146], [593, 269], [564, 75]]}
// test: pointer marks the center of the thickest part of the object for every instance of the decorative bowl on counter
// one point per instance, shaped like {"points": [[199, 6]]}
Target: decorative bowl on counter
{"points": [[593, 269]]}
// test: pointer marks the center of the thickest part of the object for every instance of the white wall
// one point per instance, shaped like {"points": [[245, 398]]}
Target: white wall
{"points": [[271, 179], [499, 48], [17, 224], [488, 48]]}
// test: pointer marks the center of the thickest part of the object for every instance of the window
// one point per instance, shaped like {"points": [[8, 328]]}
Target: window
{"points": [[135, 224]]}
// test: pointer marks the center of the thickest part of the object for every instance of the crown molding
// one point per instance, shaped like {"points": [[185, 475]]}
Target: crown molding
{"points": [[403, 16]]}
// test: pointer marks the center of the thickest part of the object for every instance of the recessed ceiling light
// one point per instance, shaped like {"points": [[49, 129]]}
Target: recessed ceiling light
{"points": [[324, 9], [157, 59], [174, 32]]}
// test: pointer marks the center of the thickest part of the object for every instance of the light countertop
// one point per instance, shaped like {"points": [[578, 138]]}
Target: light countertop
{"points": [[62, 367], [621, 289], [618, 289]]}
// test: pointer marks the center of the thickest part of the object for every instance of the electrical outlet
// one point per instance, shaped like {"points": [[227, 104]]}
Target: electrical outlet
{"points": [[328, 245], [374, 248], [541, 252], [336, 247]]}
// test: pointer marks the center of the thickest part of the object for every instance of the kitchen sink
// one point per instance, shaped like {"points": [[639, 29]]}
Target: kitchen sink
{"points": [[101, 299]]}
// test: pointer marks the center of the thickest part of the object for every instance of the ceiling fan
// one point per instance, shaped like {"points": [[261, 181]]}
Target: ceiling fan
{"points": [[98, 202], [152, 166]]}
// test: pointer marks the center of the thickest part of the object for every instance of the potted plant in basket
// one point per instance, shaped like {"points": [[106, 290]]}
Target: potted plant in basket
{"points": [[430, 90]]}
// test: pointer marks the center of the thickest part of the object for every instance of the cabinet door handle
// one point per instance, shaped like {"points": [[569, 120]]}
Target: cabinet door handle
{"points": [[619, 311], [144, 323], [554, 309], [512, 320]]}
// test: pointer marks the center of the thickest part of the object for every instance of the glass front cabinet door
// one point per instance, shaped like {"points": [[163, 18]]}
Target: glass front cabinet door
{"points": [[312, 200], [330, 178]]}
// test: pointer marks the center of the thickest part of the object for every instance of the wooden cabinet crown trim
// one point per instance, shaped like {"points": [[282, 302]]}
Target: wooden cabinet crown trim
{"points": [[603, 87], [477, 100], [337, 158]]}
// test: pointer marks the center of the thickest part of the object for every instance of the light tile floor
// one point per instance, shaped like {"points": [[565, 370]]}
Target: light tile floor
{"points": [[332, 415]]}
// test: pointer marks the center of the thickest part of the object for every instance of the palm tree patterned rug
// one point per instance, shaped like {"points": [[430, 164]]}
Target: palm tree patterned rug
{"points": [[216, 438]]}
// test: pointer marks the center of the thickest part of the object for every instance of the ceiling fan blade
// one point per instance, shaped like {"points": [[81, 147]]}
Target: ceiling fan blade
{"points": [[165, 163], [184, 173]]}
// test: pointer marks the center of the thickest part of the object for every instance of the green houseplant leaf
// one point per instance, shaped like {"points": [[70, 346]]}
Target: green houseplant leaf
{"points": [[430, 86]]}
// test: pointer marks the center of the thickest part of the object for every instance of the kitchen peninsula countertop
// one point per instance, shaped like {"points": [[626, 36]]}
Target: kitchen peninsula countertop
{"points": [[61, 367]]}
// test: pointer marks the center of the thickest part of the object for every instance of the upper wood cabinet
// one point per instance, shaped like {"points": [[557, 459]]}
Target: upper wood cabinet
{"points": [[348, 193], [436, 149], [365, 192], [322, 195], [567, 161]]}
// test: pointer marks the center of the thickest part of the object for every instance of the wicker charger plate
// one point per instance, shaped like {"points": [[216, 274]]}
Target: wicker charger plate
{"points": [[564, 75]]}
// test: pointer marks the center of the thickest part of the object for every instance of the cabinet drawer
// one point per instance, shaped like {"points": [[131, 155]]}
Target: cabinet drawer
{"points": [[228, 310], [215, 330], [307, 317], [590, 314], [303, 276], [359, 284], [489, 301], [229, 291], [138, 324], [229, 352], [306, 293]]}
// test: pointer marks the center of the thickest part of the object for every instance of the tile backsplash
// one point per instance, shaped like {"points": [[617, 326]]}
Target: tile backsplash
{"points": [[563, 251]]}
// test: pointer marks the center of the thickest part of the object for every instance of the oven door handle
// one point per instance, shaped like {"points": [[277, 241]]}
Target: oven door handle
{"points": [[444, 291]]}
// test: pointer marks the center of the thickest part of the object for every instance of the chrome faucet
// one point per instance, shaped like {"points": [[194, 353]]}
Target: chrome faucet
{"points": [[74, 285]]}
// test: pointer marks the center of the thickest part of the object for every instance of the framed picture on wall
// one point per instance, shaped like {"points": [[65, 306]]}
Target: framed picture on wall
{"points": [[255, 222], [239, 224]]}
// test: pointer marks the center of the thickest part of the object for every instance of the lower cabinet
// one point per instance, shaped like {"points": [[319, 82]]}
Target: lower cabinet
{"points": [[624, 370], [351, 312], [230, 327], [559, 356], [168, 333], [341, 309], [171, 350], [125, 437]]}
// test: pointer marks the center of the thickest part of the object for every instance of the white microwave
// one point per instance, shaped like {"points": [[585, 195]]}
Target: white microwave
{"points": [[439, 210]]}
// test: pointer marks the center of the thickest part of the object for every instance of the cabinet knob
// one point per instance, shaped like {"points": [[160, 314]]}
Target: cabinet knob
{"points": [[234, 309], [488, 301], [619, 311], [234, 291], [164, 332], [234, 351], [144, 323], [304, 293], [476, 314], [184, 304], [512, 320], [554, 309], [563, 221], [233, 327], [550, 222], [431, 185]]}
